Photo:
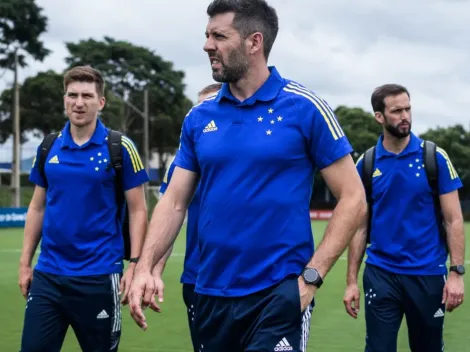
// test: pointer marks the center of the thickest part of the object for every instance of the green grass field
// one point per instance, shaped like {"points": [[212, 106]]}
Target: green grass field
{"points": [[332, 329]]}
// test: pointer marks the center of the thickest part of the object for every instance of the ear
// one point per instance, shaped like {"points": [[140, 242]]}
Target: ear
{"points": [[379, 117], [102, 103], [255, 43]]}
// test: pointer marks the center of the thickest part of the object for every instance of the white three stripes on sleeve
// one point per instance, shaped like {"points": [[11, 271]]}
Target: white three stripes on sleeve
{"points": [[321, 105]]}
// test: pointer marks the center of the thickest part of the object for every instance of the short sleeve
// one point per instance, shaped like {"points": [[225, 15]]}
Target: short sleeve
{"points": [[186, 155], [134, 173], [326, 140], [35, 176], [449, 180], [167, 177]]}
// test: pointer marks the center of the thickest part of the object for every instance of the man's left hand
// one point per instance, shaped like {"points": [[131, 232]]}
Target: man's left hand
{"points": [[307, 292], [126, 283], [453, 291]]}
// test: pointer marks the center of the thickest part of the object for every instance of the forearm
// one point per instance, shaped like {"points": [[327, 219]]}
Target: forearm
{"points": [[160, 267], [356, 251], [347, 216], [164, 226], [32, 235], [138, 228], [456, 241]]}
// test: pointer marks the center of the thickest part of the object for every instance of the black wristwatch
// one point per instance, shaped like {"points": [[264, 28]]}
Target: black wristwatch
{"points": [[459, 269], [312, 277], [134, 260]]}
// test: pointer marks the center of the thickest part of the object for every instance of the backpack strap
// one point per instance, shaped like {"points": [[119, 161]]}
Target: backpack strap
{"points": [[45, 147], [115, 154], [367, 172], [432, 173], [116, 162]]}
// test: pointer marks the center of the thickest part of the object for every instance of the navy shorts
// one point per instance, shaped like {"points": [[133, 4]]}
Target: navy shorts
{"points": [[388, 297], [269, 320], [190, 300], [89, 304]]}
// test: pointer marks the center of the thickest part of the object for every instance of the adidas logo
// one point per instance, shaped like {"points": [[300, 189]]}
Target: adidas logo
{"points": [[210, 127], [283, 345], [439, 313], [102, 315], [54, 160], [376, 173]]}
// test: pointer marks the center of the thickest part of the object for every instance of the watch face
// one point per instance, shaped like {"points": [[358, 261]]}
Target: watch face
{"points": [[310, 275], [461, 269]]}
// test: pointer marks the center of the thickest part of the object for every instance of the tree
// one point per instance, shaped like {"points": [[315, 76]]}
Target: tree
{"points": [[129, 70], [21, 24], [455, 140], [41, 106], [359, 127]]}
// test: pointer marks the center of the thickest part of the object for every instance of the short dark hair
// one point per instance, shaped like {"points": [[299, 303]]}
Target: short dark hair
{"points": [[250, 16], [210, 88], [85, 74], [384, 91]]}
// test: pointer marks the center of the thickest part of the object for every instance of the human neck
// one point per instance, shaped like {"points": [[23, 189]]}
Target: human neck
{"points": [[393, 144], [82, 134], [250, 83]]}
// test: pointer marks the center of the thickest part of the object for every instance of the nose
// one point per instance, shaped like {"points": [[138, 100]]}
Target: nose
{"points": [[79, 101], [209, 45]]}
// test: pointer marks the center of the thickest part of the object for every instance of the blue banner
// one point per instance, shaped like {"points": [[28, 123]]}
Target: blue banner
{"points": [[13, 217]]}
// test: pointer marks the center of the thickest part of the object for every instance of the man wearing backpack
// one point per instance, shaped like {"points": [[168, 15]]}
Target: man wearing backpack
{"points": [[76, 210], [412, 189]]}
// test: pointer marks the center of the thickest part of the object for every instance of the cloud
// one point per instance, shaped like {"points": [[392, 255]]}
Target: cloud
{"points": [[340, 49]]}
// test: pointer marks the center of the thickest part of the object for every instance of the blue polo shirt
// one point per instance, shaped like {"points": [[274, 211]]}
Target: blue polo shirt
{"points": [[81, 232], [405, 236], [256, 160], [191, 258]]}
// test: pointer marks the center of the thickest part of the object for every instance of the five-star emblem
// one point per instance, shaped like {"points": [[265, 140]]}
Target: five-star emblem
{"points": [[269, 132], [270, 110], [260, 119]]}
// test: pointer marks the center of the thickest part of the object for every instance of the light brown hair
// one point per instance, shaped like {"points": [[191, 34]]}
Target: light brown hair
{"points": [[85, 74], [210, 88]]}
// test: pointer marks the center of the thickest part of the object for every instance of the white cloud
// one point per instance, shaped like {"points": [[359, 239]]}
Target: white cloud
{"points": [[340, 49]]}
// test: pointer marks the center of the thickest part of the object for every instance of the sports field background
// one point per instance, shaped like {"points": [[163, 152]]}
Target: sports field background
{"points": [[332, 329]]}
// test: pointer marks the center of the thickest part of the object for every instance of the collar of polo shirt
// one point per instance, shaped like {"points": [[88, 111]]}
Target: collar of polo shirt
{"points": [[98, 137], [267, 92], [412, 147]]}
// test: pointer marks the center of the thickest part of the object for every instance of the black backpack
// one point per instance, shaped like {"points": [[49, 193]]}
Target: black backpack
{"points": [[115, 153], [430, 165]]}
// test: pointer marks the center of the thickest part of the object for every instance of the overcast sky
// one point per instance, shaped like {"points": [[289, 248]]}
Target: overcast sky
{"points": [[339, 49]]}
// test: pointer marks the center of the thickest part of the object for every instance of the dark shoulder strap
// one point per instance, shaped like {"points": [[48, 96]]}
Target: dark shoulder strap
{"points": [[430, 164], [45, 147], [432, 174], [115, 154], [367, 172]]}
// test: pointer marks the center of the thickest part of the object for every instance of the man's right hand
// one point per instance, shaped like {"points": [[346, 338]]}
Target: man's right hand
{"points": [[351, 300], [25, 278], [142, 295]]}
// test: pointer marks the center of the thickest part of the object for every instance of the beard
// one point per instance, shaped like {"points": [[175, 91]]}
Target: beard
{"points": [[235, 69], [399, 131]]}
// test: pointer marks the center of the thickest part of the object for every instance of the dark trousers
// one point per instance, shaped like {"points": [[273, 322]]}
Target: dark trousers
{"points": [[267, 321], [388, 297], [190, 300], [89, 304]]}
